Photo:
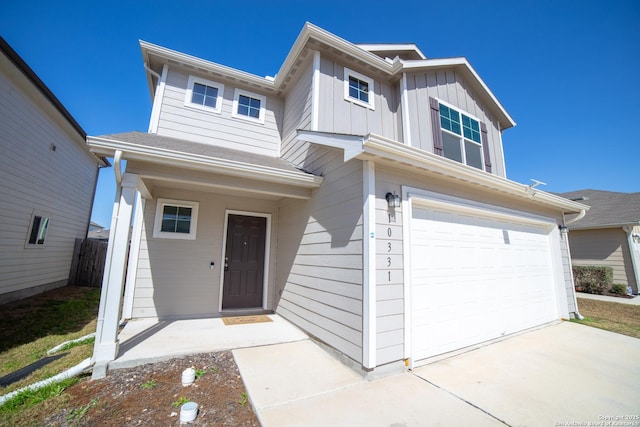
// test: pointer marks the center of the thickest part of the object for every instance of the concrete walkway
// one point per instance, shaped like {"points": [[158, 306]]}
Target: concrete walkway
{"points": [[632, 301], [563, 373]]}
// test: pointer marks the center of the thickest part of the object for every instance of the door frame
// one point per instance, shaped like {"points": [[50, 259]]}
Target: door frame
{"points": [[412, 196], [267, 255]]}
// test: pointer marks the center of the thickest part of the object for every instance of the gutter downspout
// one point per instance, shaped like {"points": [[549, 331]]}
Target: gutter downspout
{"points": [[580, 215]]}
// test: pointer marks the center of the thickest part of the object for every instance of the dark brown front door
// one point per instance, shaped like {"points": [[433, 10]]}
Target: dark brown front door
{"points": [[244, 262]]}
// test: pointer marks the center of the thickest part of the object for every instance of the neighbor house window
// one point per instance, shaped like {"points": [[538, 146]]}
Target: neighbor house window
{"points": [[204, 94], [358, 88], [175, 219], [248, 105], [461, 139], [38, 230]]}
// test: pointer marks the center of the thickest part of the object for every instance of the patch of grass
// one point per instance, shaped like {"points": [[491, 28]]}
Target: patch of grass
{"points": [[26, 399], [31, 327], [243, 399], [611, 316], [149, 384], [70, 345], [180, 401], [76, 415], [200, 372]]}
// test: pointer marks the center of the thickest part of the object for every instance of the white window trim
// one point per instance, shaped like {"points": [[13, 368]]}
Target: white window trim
{"points": [[464, 152], [189, 94], [157, 224], [263, 104], [34, 214], [362, 77]]}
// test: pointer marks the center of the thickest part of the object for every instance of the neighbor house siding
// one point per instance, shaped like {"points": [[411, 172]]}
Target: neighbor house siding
{"points": [[606, 246], [36, 178], [174, 277], [319, 275], [448, 86], [180, 121], [341, 116]]}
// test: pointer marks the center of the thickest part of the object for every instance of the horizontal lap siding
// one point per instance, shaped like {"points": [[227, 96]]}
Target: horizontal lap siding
{"points": [[180, 121], [298, 106], [320, 253], [603, 247], [58, 184], [174, 278], [448, 86], [341, 116]]}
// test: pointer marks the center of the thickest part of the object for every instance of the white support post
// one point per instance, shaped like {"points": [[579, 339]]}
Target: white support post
{"points": [[132, 264], [106, 342], [369, 265]]}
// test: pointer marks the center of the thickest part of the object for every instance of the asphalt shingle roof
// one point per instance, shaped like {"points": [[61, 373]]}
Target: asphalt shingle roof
{"points": [[183, 146], [608, 208]]}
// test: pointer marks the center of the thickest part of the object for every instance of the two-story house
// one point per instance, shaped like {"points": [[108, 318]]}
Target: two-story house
{"points": [[361, 194]]}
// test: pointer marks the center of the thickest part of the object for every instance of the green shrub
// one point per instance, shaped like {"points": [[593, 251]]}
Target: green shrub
{"points": [[619, 289], [593, 279]]}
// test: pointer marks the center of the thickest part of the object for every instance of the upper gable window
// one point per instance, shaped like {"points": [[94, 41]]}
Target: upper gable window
{"points": [[461, 139], [204, 94], [358, 89], [249, 106]]}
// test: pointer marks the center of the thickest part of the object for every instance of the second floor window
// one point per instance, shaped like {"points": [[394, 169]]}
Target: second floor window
{"points": [[461, 139], [204, 94], [249, 106]]}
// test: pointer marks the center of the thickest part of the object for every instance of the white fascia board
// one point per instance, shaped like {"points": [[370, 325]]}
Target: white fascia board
{"points": [[351, 144], [394, 150], [199, 162], [182, 58], [458, 62], [310, 31], [398, 47]]}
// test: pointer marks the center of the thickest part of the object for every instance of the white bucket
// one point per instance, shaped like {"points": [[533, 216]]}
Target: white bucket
{"points": [[188, 376], [188, 412]]}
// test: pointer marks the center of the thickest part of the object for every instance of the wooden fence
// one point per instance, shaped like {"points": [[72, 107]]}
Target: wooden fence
{"points": [[87, 265]]}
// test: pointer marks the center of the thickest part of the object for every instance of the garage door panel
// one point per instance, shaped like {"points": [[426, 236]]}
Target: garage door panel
{"points": [[475, 278]]}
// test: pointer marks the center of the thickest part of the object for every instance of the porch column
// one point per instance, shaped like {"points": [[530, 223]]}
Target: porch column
{"points": [[132, 264], [106, 341], [635, 255]]}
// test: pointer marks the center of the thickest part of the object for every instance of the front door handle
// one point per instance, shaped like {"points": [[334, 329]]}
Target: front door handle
{"points": [[226, 267]]}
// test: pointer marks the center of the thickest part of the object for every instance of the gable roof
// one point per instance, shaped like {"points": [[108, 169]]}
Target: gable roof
{"points": [[608, 208], [313, 37]]}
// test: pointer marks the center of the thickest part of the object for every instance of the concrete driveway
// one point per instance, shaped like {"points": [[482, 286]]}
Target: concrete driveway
{"points": [[562, 374]]}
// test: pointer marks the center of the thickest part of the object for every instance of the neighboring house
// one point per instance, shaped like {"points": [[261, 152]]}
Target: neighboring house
{"points": [[609, 234], [361, 194], [48, 178], [97, 232]]}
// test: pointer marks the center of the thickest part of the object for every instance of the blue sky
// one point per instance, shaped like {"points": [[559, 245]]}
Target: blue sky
{"points": [[567, 71]]}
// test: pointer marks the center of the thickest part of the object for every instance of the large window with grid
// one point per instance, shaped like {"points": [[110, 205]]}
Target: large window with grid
{"points": [[461, 139]]}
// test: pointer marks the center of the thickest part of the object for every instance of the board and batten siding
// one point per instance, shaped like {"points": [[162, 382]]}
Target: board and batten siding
{"points": [[338, 115], [319, 277], [298, 106], [223, 130], [36, 179], [449, 87], [604, 247], [174, 278]]}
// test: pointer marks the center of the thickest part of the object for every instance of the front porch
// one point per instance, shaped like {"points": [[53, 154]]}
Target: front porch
{"points": [[152, 340]]}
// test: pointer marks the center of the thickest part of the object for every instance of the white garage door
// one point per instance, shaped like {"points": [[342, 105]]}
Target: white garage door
{"points": [[476, 276]]}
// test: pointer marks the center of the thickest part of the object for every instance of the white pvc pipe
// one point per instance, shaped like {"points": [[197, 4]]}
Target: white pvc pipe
{"points": [[59, 346], [69, 373]]}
